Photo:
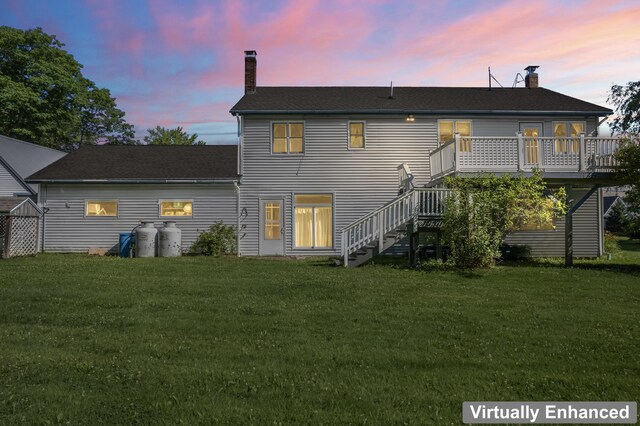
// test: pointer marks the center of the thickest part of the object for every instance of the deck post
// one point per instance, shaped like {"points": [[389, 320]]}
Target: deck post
{"points": [[582, 153], [345, 250], [380, 233], [521, 152], [568, 229], [456, 144], [412, 231], [439, 244]]}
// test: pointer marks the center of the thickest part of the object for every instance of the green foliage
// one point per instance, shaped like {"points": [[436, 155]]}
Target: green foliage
{"points": [[618, 219], [218, 240], [627, 102], [244, 341], [482, 211], [45, 98], [628, 173], [177, 136]]}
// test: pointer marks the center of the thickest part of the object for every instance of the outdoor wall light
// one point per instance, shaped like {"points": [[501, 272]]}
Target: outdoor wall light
{"points": [[410, 118]]}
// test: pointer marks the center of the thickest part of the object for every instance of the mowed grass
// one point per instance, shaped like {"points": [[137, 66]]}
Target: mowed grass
{"points": [[89, 340]]}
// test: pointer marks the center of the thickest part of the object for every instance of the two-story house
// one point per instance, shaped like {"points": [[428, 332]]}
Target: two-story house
{"points": [[340, 171], [320, 164]]}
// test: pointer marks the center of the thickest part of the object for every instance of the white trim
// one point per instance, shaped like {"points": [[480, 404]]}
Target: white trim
{"points": [[287, 137], [97, 200], [175, 200], [364, 135]]}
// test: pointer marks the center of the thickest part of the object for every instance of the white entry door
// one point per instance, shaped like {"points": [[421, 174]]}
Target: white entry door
{"points": [[531, 132], [272, 227]]}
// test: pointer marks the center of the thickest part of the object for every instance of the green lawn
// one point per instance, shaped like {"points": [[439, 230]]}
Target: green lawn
{"points": [[88, 340]]}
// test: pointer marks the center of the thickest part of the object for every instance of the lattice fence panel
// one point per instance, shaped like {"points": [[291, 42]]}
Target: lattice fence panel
{"points": [[3, 227], [24, 236]]}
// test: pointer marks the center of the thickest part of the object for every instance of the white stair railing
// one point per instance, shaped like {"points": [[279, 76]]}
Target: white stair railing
{"points": [[372, 228]]}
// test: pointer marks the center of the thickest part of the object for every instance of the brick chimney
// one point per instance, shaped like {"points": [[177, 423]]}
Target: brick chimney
{"points": [[531, 79], [250, 65]]}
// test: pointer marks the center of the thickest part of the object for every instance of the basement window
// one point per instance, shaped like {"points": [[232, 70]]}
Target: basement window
{"points": [[287, 138], [103, 208], [176, 208], [356, 135]]}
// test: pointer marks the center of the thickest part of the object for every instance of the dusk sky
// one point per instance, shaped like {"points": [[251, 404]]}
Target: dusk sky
{"points": [[180, 63]]}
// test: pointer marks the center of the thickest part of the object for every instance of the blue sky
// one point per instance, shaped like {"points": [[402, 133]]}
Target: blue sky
{"points": [[180, 63]]}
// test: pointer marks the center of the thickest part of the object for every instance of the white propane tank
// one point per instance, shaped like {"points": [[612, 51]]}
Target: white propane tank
{"points": [[169, 240], [146, 240]]}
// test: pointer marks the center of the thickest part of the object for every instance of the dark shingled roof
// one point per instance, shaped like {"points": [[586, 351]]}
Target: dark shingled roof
{"points": [[412, 100], [142, 163]]}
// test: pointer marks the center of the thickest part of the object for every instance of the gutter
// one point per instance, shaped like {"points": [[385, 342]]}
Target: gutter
{"points": [[422, 112], [137, 181]]}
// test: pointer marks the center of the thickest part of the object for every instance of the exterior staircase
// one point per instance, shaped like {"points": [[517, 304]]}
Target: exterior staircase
{"points": [[384, 227]]}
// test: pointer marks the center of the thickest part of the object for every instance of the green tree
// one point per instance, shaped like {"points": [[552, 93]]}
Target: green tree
{"points": [[482, 211], [627, 102], [177, 136], [628, 173], [45, 98]]}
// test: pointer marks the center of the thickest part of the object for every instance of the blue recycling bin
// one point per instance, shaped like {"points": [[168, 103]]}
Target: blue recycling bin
{"points": [[126, 239]]}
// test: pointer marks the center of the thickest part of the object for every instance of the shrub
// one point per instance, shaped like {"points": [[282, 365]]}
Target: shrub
{"points": [[218, 240], [618, 218], [482, 211]]}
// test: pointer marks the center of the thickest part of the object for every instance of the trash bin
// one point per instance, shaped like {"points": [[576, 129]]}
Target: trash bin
{"points": [[126, 239]]}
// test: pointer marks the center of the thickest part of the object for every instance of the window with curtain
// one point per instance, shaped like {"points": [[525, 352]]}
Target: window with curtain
{"points": [[172, 208], [287, 138], [107, 208], [314, 220], [567, 136], [448, 128], [356, 135]]}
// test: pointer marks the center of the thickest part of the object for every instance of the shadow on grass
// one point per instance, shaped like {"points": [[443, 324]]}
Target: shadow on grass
{"points": [[592, 265]]}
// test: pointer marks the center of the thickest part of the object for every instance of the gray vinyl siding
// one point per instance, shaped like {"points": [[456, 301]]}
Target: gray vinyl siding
{"points": [[361, 180], [587, 233], [68, 230], [9, 186]]}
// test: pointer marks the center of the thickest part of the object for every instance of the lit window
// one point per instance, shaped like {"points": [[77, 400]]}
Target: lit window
{"points": [[287, 138], [314, 220], [272, 215], [547, 224], [566, 136], [448, 128], [356, 135], [101, 208], [173, 208]]}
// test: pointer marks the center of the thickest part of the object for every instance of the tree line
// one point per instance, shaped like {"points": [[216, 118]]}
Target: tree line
{"points": [[45, 99]]}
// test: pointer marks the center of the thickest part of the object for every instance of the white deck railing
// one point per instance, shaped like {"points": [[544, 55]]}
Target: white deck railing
{"points": [[372, 228], [519, 153]]}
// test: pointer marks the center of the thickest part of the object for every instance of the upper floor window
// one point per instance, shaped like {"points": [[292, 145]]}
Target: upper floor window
{"points": [[566, 136], [287, 138], [356, 135], [107, 208], [448, 128], [172, 208]]}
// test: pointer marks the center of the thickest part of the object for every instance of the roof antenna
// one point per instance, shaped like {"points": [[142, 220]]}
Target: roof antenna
{"points": [[519, 79], [391, 95], [491, 77]]}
